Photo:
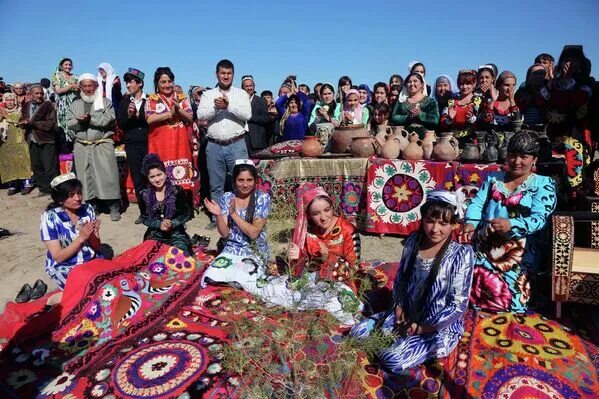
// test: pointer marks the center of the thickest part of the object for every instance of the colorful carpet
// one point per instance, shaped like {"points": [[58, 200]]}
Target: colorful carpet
{"points": [[140, 326]]}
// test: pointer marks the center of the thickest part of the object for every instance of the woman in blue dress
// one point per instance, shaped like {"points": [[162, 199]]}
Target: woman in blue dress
{"points": [[430, 292], [507, 217], [241, 219], [69, 229]]}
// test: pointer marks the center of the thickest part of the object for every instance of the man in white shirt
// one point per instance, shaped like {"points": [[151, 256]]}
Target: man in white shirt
{"points": [[227, 110]]}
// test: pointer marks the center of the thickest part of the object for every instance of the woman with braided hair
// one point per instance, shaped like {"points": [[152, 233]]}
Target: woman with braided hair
{"points": [[430, 293]]}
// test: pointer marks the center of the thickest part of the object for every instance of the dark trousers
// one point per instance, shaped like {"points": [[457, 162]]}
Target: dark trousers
{"points": [[135, 155], [44, 164]]}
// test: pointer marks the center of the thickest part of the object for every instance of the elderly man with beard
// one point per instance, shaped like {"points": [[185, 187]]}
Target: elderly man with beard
{"points": [[92, 118]]}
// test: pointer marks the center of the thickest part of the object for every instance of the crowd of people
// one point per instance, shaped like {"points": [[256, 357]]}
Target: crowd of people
{"points": [[495, 264]]}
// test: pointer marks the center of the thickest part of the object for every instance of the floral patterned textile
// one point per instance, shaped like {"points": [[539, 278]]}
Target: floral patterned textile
{"points": [[507, 266]]}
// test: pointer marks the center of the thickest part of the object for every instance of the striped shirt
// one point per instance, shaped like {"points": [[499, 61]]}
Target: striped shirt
{"points": [[56, 225]]}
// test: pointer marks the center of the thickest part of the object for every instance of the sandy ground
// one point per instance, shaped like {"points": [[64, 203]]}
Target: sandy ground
{"points": [[22, 256]]}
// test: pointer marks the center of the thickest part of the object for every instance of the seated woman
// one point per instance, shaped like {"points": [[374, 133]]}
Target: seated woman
{"points": [[444, 90], [461, 114], [327, 110], [508, 214], [241, 219], [69, 229], [165, 206], [430, 292], [294, 110], [354, 113], [414, 109], [500, 113]]}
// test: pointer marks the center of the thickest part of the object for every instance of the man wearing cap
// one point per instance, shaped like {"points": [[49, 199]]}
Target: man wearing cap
{"points": [[38, 117], [227, 109], [257, 138], [131, 118], [92, 118]]}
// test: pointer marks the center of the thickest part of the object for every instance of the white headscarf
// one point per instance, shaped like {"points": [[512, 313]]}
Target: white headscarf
{"points": [[110, 76], [98, 99], [403, 95]]}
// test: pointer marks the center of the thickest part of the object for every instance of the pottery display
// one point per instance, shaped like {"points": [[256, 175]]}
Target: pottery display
{"points": [[470, 153], [364, 147], [311, 147], [342, 137], [491, 154], [427, 143], [413, 151], [446, 148], [391, 148], [402, 135], [324, 131]]}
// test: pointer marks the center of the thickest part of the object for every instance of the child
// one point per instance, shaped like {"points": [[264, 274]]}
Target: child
{"points": [[354, 113], [430, 293]]}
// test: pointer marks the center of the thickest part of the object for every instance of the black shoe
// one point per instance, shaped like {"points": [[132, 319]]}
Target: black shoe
{"points": [[39, 289], [27, 190], [139, 220], [211, 226], [12, 191], [4, 233], [24, 295]]}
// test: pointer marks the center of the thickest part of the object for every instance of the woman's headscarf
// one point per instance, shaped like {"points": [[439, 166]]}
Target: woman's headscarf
{"points": [[110, 76], [358, 111], [403, 96], [453, 88], [6, 96], [365, 87], [301, 223]]}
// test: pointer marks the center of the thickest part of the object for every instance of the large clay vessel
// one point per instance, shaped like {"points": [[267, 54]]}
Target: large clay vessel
{"points": [[364, 147], [341, 140], [470, 153], [381, 136], [402, 135], [427, 143], [413, 151], [311, 147], [391, 149], [446, 148]]}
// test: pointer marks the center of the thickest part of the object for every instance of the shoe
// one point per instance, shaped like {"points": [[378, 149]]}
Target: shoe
{"points": [[27, 190], [4, 233], [24, 294], [139, 220], [12, 191], [39, 289], [115, 215], [211, 226]]}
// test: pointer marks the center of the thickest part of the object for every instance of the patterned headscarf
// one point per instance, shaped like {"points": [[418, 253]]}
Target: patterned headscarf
{"points": [[524, 142], [358, 111], [301, 223]]}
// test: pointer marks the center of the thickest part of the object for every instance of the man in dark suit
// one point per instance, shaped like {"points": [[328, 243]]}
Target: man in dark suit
{"points": [[258, 137], [38, 117]]}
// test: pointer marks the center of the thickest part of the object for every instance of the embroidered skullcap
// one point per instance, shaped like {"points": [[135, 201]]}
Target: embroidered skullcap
{"points": [[62, 178], [244, 162], [524, 142], [443, 196]]}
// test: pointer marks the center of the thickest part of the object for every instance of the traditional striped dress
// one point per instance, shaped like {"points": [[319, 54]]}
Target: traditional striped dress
{"points": [[442, 309]]}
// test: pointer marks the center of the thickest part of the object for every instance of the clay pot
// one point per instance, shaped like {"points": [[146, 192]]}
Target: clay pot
{"points": [[470, 153], [324, 132], [413, 151], [446, 148], [364, 147], [402, 135], [391, 148], [342, 137], [427, 143], [311, 147]]}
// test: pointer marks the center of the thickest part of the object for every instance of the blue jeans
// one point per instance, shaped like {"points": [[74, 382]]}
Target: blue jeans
{"points": [[220, 160]]}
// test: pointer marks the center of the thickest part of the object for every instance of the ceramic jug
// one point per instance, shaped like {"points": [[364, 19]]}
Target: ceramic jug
{"points": [[413, 151], [392, 147], [427, 143], [311, 147], [446, 148], [364, 147]]}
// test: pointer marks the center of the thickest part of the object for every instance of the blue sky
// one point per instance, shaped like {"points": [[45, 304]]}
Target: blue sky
{"points": [[316, 40]]}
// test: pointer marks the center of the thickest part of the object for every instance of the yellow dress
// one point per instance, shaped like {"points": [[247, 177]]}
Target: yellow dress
{"points": [[15, 163]]}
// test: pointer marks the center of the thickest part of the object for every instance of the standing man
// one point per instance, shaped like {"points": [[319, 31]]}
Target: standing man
{"points": [[131, 117], [258, 137], [92, 117], [227, 109], [38, 117]]}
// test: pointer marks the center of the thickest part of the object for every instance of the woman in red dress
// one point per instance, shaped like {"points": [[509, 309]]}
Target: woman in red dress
{"points": [[461, 113], [169, 116]]}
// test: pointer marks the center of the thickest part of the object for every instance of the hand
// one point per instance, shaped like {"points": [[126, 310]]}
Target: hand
{"points": [[414, 112], [3, 113], [465, 236], [494, 93], [83, 118], [221, 102], [484, 87], [324, 250], [212, 207], [232, 206], [25, 122], [132, 110], [86, 230], [321, 112], [566, 69], [74, 86], [165, 225], [348, 117], [294, 252], [501, 225], [97, 224], [413, 329], [452, 112], [400, 316], [551, 73]]}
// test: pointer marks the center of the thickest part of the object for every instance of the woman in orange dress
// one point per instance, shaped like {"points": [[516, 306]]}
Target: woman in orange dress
{"points": [[169, 117]]}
